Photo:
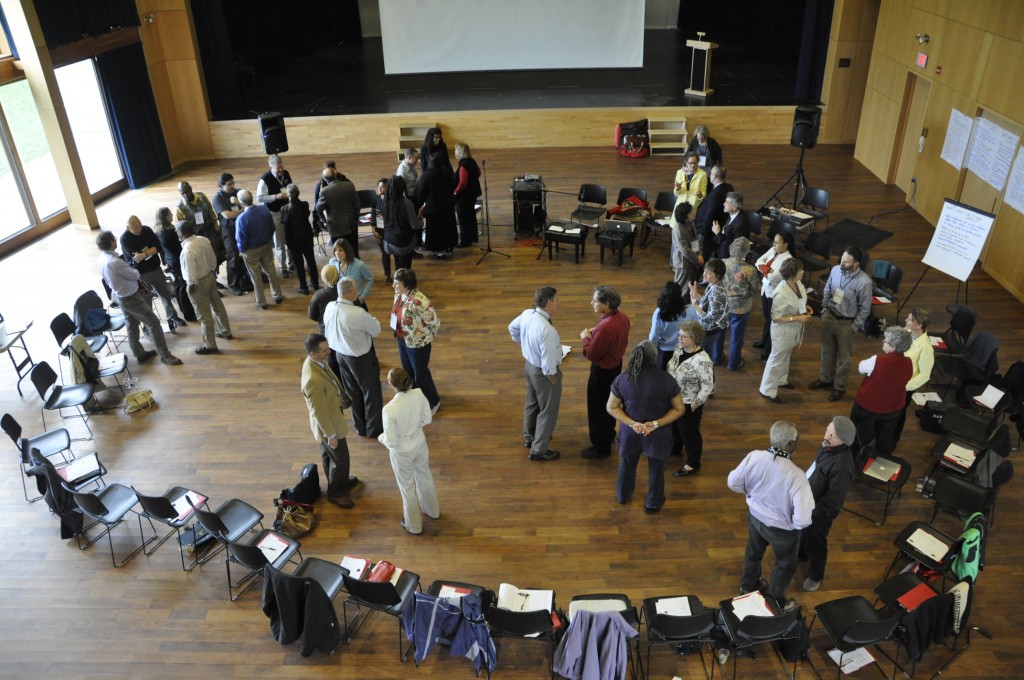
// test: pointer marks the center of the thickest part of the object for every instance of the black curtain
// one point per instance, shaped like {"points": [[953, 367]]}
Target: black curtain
{"points": [[810, 72], [214, 39], [67, 21], [128, 94]]}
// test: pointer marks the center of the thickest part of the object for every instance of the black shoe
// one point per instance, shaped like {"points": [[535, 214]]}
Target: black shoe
{"points": [[737, 366], [416, 255], [146, 356], [177, 321], [550, 454], [836, 395], [685, 472], [341, 501], [220, 286], [650, 511], [226, 336], [261, 306], [591, 453], [236, 292], [774, 400], [304, 291], [203, 349], [788, 386], [764, 356], [759, 344], [820, 385], [285, 274], [278, 300]]}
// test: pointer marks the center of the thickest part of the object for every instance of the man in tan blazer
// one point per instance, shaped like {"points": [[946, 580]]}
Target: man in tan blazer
{"points": [[323, 393]]}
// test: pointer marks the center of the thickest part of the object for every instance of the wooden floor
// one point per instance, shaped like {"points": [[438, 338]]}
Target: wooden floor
{"points": [[234, 425]]}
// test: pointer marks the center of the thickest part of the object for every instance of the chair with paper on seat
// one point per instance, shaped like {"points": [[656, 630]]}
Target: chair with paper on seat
{"points": [[679, 621], [266, 548], [756, 630], [511, 622], [592, 200], [852, 623], [57, 397], [976, 365], [886, 473], [89, 368], [383, 596], [922, 542], [80, 473], [107, 506], [173, 509], [815, 202], [48, 444], [231, 521]]}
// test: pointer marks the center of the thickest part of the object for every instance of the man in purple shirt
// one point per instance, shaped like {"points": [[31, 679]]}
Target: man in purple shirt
{"points": [[780, 504], [254, 232], [136, 304]]}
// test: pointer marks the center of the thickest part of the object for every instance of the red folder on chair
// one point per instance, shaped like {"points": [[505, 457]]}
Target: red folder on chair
{"points": [[911, 599]]}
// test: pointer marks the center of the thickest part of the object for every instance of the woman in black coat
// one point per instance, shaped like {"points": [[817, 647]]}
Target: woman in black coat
{"points": [[435, 190], [434, 143]]}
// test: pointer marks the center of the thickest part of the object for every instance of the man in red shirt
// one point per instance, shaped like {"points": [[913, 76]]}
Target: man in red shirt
{"points": [[605, 345]]}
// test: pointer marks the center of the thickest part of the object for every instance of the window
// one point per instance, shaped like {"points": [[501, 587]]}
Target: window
{"points": [[90, 127]]}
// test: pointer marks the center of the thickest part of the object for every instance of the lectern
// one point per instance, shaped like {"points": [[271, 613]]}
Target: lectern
{"points": [[700, 66]]}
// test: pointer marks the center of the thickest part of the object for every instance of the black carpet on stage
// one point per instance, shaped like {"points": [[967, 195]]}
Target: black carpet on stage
{"points": [[853, 233]]}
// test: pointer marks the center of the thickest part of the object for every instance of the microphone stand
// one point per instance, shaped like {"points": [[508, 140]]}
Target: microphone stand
{"points": [[487, 222]]}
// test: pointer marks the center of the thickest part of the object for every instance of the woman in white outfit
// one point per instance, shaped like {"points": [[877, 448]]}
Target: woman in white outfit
{"points": [[404, 418], [789, 314], [769, 265]]}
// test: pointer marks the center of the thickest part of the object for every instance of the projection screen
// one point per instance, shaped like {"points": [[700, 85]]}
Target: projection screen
{"points": [[436, 36]]}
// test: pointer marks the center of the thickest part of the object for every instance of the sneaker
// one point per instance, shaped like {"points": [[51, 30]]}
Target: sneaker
{"points": [[146, 356], [170, 360], [788, 605], [810, 585], [550, 454]]}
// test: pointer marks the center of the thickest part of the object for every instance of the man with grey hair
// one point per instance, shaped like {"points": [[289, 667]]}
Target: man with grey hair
{"points": [[339, 203], [604, 345], [742, 283], [780, 504], [732, 226], [271, 191], [830, 477], [350, 331], [408, 169], [254, 233]]}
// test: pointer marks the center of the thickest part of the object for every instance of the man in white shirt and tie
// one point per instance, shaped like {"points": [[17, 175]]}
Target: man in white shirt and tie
{"points": [[350, 331]]}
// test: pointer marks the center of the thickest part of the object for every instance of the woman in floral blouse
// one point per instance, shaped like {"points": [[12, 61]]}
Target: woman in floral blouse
{"points": [[692, 369], [713, 309], [415, 324]]}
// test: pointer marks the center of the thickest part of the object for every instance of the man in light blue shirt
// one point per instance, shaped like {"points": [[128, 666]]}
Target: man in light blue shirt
{"points": [[780, 504], [542, 351]]}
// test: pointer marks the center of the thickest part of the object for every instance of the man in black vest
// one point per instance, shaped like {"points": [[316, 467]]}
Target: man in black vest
{"points": [[272, 191], [225, 202]]}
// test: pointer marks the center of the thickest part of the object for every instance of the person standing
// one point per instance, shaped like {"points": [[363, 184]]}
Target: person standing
{"points": [[254, 233], [350, 331], [347, 264], [339, 201], [712, 309], [542, 353], [140, 248], [692, 369], [691, 183], [137, 305], [467, 190], [789, 317], [712, 209], [408, 170], [437, 206], [604, 345], [298, 234], [734, 225], [644, 399], [770, 265], [830, 477], [322, 391], [271, 192], [672, 310], [195, 207], [404, 419], [415, 324], [922, 358], [433, 143], [402, 226], [225, 202], [846, 304], [741, 285], [199, 270], [780, 504], [685, 260]]}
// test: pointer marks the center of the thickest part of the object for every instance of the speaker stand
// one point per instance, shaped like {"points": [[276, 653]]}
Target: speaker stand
{"points": [[487, 221], [801, 183]]}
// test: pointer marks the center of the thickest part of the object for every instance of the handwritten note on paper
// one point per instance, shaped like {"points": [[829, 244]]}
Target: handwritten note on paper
{"points": [[957, 135], [992, 152], [1014, 196], [958, 239]]}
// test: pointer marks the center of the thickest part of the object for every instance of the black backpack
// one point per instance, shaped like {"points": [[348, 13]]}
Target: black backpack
{"points": [[308, 488]]}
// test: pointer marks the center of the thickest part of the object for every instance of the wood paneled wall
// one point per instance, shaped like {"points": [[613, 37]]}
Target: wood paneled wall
{"points": [[177, 76], [979, 47], [507, 129], [851, 37]]}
